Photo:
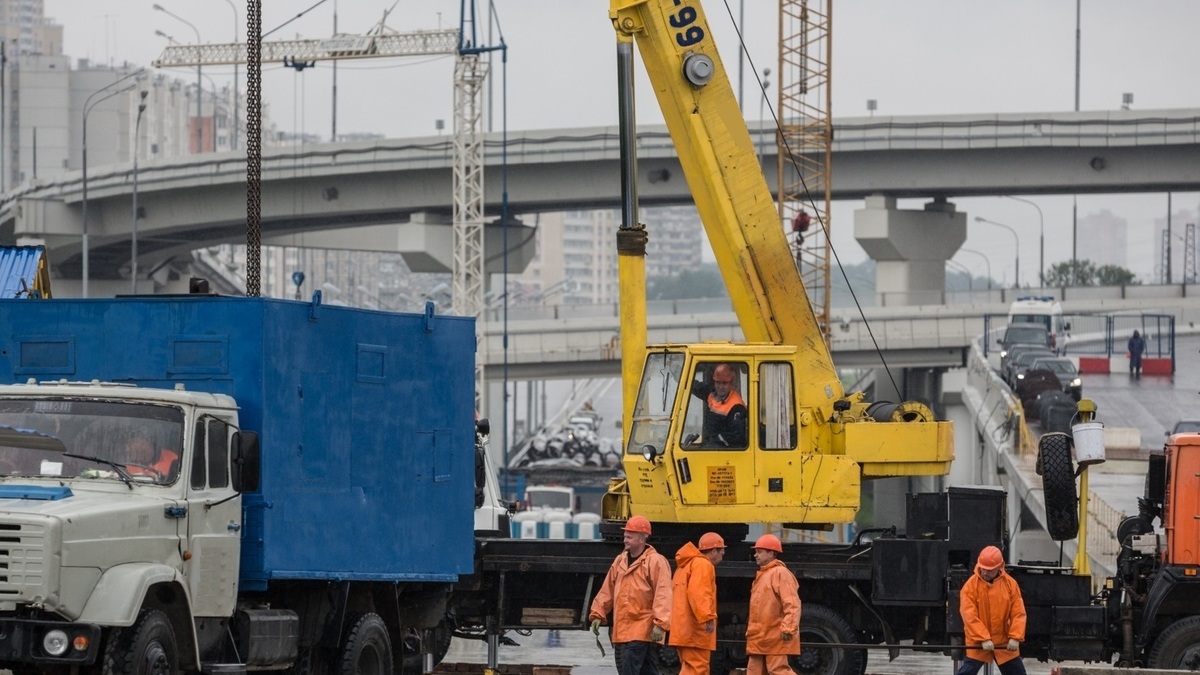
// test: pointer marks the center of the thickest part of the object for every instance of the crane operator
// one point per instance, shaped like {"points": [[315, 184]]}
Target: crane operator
{"points": [[725, 411]]}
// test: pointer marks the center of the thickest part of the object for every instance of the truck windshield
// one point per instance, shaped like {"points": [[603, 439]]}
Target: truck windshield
{"points": [[548, 499], [144, 439], [656, 399]]}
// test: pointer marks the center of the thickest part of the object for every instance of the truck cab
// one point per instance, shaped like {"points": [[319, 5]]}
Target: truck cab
{"points": [[133, 490]]}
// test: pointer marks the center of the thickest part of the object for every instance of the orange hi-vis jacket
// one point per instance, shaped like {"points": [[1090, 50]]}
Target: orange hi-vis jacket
{"points": [[638, 594], [992, 611], [694, 599], [774, 609], [723, 408]]}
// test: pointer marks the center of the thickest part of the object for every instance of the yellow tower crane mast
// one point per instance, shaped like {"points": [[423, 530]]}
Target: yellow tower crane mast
{"points": [[805, 141]]}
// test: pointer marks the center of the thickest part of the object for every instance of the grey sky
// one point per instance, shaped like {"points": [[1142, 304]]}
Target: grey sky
{"points": [[913, 56]]}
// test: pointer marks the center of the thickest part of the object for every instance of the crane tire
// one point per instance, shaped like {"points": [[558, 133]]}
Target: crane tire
{"points": [[820, 624], [1058, 483], [1178, 646]]}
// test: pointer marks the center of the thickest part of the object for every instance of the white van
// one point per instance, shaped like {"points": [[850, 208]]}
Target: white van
{"points": [[1043, 310]]}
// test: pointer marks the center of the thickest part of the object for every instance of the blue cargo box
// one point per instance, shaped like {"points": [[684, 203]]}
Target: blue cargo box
{"points": [[365, 417]]}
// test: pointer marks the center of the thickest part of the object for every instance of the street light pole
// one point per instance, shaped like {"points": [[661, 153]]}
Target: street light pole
{"points": [[1041, 240], [1016, 242], [987, 261], [199, 85], [137, 129], [233, 131], [87, 108]]}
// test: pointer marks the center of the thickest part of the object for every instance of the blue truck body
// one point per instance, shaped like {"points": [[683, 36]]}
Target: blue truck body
{"points": [[364, 417]]}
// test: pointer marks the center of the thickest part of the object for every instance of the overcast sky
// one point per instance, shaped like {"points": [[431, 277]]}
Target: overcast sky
{"points": [[913, 56]]}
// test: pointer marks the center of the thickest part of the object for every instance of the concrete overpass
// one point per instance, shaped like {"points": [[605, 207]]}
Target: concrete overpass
{"points": [[395, 195], [575, 341]]}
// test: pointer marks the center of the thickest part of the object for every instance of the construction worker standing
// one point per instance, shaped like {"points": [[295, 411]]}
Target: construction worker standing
{"points": [[993, 616], [694, 603], [637, 591], [772, 631]]}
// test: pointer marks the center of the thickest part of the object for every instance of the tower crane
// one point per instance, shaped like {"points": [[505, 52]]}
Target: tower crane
{"points": [[470, 73], [805, 141]]}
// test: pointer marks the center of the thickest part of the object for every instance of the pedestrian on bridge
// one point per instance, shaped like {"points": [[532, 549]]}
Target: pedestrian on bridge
{"points": [[637, 592], [993, 616], [772, 631], [694, 603], [1136, 346]]}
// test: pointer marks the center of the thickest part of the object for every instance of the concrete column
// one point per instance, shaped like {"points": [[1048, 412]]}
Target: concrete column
{"points": [[910, 248]]}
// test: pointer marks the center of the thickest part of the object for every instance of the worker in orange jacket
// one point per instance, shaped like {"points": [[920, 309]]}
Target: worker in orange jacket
{"points": [[993, 616], [637, 591], [694, 603], [772, 631]]}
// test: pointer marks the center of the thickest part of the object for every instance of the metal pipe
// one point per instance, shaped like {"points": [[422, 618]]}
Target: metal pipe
{"points": [[628, 133]]}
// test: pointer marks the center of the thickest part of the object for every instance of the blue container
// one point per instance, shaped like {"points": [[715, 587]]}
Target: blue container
{"points": [[365, 417]]}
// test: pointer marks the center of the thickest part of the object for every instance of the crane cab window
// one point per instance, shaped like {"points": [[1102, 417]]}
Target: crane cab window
{"points": [[717, 414], [776, 407]]}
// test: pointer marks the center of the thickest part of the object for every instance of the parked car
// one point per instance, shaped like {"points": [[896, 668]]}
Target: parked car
{"points": [[1062, 368], [1019, 358], [1022, 334]]}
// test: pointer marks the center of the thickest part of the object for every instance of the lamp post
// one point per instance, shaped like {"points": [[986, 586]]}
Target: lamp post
{"points": [[87, 108], [1041, 240], [1016, 243], [137, 129], [987, 262], [233, 130], [199, 85]]}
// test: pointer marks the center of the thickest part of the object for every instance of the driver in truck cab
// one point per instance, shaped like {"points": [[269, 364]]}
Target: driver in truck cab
{"points": [[141, 459], [725, 411]]}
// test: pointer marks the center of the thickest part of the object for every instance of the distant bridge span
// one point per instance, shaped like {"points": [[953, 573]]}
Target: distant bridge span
{"points": [[353, 195]]}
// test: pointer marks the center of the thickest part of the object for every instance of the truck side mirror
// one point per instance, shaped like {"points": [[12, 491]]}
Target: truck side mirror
{"points": [[247, 461]]}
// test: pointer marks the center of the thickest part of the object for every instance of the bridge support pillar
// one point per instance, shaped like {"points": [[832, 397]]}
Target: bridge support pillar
{"points": [[910, 248]]}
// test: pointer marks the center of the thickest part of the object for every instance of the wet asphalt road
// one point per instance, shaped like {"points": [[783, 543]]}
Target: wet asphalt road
{"points": [[578, 650]]}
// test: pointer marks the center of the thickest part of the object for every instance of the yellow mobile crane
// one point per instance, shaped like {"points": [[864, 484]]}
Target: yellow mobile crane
{"points": [[806, 443]]}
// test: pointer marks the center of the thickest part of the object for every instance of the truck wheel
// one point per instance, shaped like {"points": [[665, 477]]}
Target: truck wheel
{"points": [[1178, 647], [365, 646], [145, 648], [819, 624], [1058, 487]]}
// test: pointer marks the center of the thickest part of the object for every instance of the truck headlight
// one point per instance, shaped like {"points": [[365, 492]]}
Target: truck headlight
{"points": [[1077, 382], [55, 642]]}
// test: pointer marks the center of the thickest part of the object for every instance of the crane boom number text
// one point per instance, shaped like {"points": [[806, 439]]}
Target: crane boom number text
{"points": [[684, 18]]}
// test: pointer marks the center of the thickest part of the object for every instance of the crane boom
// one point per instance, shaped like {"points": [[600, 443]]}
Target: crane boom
{"points": [[342, 46], [721, 166]]}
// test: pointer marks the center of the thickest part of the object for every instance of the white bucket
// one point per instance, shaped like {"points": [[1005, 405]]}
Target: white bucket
{"points": [[1089, 443]]}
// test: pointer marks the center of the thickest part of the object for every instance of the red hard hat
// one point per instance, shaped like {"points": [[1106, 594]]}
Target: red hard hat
{"points": [[990, 558], [711, 540], [769, 542], [637, 524]]}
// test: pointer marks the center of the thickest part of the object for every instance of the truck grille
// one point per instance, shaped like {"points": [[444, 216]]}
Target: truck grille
{"points": [[23, 562]]}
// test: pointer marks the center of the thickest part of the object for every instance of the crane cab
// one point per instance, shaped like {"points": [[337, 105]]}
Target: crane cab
{"points": [[734, 433]]}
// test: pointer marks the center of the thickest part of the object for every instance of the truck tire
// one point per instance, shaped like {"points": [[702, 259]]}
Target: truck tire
{"points": [[1178, 647], [365, 648], [146, 648], [1058, 483], [820, 624]]}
